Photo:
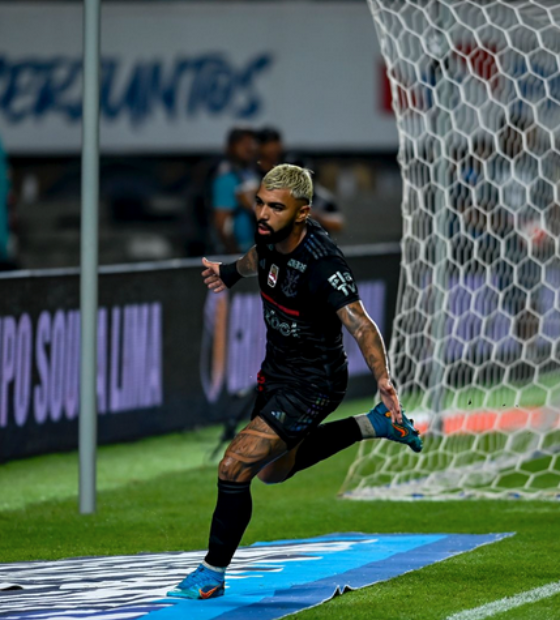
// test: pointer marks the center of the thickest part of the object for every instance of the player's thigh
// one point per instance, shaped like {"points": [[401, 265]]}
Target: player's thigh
{"points": [[253, 448]]}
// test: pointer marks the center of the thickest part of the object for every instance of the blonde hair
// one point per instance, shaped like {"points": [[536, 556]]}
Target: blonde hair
{"points": [[287, 176]]}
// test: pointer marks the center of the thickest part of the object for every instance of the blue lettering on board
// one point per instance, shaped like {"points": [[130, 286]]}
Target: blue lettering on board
{"points": [[33, 88]]}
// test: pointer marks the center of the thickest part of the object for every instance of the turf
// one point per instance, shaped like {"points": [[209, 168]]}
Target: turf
{"points": [[158, 495], [55, 476]]}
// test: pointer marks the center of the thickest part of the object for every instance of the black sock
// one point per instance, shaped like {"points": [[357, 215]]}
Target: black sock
{"points": [[231, 518], [324, 441]]}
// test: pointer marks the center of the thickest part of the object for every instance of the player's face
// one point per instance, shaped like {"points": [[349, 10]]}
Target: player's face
{"points": [[277, 212]]}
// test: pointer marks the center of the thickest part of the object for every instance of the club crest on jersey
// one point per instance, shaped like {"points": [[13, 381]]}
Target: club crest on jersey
{"points": [[290, 283], [273, 276]]}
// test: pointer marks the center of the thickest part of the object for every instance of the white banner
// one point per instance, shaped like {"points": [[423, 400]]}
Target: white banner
{"points": [[176, 77]]}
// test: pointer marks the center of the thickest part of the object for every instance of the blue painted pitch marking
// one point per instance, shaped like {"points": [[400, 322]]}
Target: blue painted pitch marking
{"points": [[254, 586], [354, 561]]}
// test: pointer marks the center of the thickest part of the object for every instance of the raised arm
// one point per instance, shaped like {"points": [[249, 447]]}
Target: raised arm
{"points": [[244, 267], [366, 333]]}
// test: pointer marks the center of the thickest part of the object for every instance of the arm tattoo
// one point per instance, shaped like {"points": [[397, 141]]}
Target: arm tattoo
{"points": [[247, 265], [367, 335]]}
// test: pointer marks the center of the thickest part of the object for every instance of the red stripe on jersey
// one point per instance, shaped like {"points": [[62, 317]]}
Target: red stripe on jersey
{"points": [[286, 310]]}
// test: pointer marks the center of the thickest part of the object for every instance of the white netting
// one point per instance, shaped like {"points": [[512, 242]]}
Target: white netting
{"points": [[476, 339]]}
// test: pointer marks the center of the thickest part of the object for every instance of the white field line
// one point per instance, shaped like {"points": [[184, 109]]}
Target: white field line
{"points": [[510, 602]]}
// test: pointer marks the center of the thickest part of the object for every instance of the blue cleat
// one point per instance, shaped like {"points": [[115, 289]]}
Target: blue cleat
{"points": [[202, 584], [380, 419]]}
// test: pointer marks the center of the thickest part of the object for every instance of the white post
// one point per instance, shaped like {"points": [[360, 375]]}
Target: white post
{"points": [[89, 259]]}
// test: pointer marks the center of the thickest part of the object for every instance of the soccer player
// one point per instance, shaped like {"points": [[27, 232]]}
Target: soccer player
{"points": [[308, 293]]}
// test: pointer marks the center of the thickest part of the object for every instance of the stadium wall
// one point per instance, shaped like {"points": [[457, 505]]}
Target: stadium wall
{"points": [[176, 76], [170, 355]]}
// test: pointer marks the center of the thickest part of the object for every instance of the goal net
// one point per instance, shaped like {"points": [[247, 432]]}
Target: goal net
{"points": [[476, 340]]}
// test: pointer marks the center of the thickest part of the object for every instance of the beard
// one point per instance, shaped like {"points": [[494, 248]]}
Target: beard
{"points": [[275, 236]]}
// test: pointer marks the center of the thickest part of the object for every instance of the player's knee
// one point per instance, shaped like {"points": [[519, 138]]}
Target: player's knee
{"points": [[232, 470], [228, 468]]}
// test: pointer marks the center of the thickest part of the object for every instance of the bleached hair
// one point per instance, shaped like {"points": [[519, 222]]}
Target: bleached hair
{"points": [[287, 176]]}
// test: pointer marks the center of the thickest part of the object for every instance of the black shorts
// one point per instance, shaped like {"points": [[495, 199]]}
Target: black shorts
{"points": [[294, 411]]}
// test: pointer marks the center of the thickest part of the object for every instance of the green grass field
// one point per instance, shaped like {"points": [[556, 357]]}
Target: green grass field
{"points": [[158, 495]]}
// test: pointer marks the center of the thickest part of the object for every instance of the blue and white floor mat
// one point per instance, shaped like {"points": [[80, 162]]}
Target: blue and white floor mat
{"points": [[266, 580]]}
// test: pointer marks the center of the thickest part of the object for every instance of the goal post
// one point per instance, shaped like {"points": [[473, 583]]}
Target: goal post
{"points": [[475, 350]]}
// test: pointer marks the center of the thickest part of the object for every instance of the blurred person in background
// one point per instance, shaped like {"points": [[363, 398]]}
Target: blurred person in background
{"points": [[234, 185], [324, 208], [326, 211], [271, 149]]}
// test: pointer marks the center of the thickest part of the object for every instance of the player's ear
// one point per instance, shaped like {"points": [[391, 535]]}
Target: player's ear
{"points": [[303, 213]]}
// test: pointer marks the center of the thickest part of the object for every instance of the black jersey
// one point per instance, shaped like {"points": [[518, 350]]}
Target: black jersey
{"points": [[301, 294]]}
